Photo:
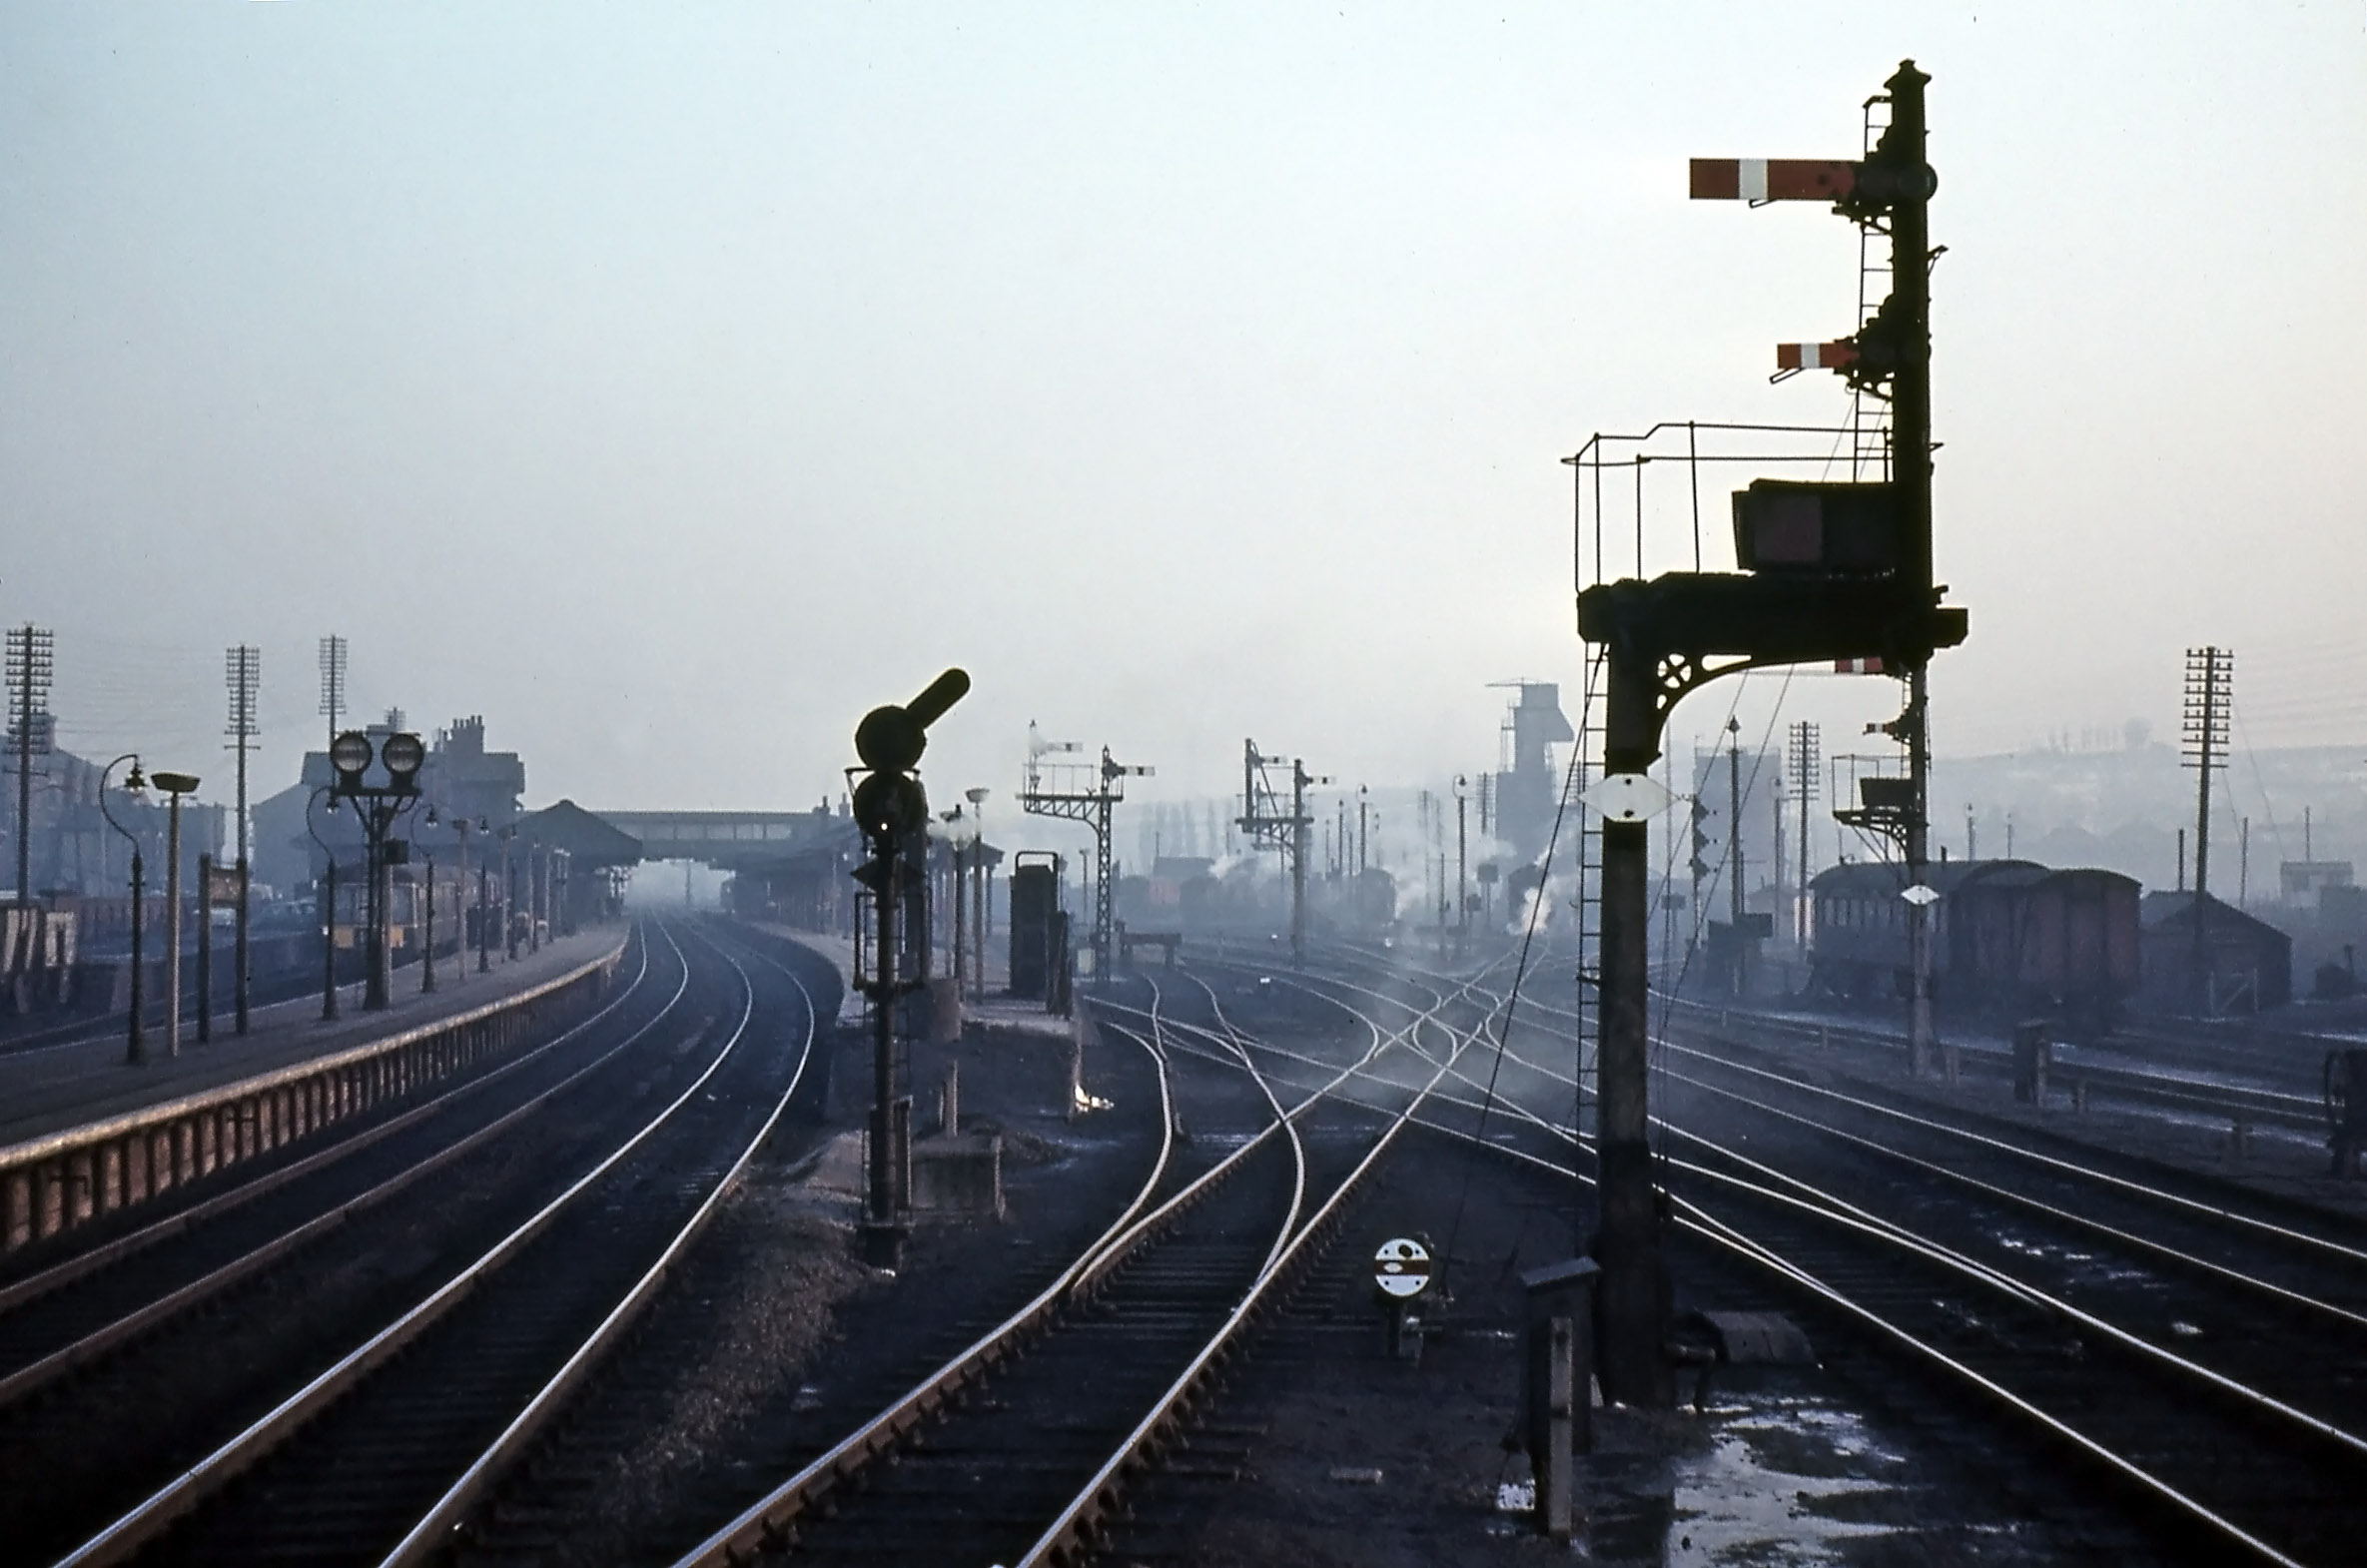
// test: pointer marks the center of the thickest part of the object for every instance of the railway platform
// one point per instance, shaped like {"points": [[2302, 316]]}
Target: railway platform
{"points": [[51, 1088]]}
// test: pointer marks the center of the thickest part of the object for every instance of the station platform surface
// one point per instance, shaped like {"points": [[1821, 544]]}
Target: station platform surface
{"points": [[49, 1089]]}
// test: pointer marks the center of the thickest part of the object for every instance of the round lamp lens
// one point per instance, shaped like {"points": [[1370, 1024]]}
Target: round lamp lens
{"points": [[349, 753], [403, 753]]}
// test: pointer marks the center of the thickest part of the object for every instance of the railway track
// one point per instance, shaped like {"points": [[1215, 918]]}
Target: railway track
{"points": [[297, 1474], [2149, 1332], [1019, 1444], [2214, 1395], [104, 1293], [2283, 1092]]}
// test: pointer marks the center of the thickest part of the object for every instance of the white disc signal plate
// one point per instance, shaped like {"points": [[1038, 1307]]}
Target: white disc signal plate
{"points": [[1401, 1268]]}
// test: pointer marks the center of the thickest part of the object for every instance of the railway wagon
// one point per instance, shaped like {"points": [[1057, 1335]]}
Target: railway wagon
{"points": [[2008, 936]]}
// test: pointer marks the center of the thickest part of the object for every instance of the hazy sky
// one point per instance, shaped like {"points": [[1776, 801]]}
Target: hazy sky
{"points": [[669, 383]]}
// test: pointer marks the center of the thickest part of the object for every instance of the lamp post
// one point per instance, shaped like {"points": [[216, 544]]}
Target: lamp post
{"points": [[136, 1048], [1365, 816], [485, 909], [977, 891], [1462, 884], [460, 827], [174, 785], [961, 832], [328, 911], [427, 946], [507, 832], [400, 756]]}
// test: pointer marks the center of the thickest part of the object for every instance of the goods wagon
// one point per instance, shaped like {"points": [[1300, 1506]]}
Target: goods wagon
{"points": [[2007, 936]]}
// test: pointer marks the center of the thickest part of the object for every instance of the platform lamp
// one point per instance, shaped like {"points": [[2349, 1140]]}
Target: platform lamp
{"points": [[461, 830], [136, 1047], [961, 832], [327, 909], [428, 942], [505, 833], [978, 890], [174, 785], [485, 909]]}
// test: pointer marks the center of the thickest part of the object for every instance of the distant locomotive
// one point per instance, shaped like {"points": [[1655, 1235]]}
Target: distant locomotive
{"points": [[2007, 936]]}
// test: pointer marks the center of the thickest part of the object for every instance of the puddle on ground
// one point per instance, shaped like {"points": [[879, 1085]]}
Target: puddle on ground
{"points": [[1786, 1480]]}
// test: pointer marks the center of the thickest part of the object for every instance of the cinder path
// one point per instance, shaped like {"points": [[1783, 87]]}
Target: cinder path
{"points": [[45, 1090]]}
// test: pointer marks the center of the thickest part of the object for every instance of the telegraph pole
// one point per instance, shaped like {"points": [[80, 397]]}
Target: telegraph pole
{"points": [[1805, 737], [1733, 840], [333, 684], [2211, 681], [31, 663], [243, 674]]}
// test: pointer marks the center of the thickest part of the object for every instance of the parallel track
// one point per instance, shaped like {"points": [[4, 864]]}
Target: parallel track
{"points": [[1096, 1373], [380, 1443]]}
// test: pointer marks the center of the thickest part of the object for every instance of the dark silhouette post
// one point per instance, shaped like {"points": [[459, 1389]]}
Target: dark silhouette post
{"points": [[136, 1045]]}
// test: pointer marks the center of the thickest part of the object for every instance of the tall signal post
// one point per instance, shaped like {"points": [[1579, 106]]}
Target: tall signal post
{"points": [[1826, 573], [2211, 687], [1270, 825], [31, 662], [1081, 791], [242, 674], [892, 810]]}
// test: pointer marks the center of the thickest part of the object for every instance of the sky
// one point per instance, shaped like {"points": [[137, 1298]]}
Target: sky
{"points": [[672, 384]]}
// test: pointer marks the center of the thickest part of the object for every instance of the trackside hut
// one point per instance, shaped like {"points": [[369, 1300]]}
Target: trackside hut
{"points": [[2247, 962]]}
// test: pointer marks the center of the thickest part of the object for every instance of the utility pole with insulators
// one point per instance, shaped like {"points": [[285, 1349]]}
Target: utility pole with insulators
{"points": [[333, 683], [242, 674], [2211, 687], [31, 664], [1826, 573], [1805, 745]]}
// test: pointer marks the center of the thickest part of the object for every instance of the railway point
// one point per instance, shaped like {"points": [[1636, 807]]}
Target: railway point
{"points": [[632, 930]]}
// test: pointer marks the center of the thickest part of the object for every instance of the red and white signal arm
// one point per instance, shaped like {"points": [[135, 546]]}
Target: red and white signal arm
{"points": [[1401, 1268], [1859, 667]]}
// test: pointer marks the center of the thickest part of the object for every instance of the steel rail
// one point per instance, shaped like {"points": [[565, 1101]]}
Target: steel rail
{"points": [[1290, 1129], [2282, 1107], [753, 1527], [37, 1285], [1832, 1208], [157, 1513], [2030, 1203], [1072, 1528], [1719, 1234], [2236, 1218], [426, 1539], [47, 1368], [761, 1523]]}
